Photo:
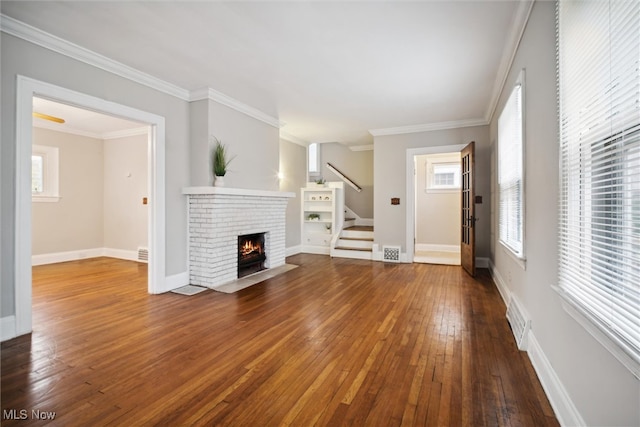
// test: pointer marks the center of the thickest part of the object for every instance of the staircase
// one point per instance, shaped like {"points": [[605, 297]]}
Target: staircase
{"points": [[354, 241]]}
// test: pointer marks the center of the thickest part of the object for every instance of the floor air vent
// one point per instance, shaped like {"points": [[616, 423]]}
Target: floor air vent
{"points": [[143, 254], [391, 253], [519, 323]]}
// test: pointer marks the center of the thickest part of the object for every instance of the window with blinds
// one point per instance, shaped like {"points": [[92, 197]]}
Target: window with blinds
{"points": [[510, 172], [599, 218]]}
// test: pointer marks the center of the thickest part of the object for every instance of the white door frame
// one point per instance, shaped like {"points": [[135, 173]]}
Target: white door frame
{"points": [[27, 88], [411, 189]]}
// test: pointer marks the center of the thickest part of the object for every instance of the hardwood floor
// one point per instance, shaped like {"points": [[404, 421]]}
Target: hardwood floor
{"points": [[333, 342]]}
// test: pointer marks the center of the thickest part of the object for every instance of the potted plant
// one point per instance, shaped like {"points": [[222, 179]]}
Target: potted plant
{"points": [[313, 217], [220, 161]]}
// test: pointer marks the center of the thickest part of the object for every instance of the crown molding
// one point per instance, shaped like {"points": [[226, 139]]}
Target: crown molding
{"points": [[361, 147], [518, 26], [144, 130], [48, 41], [65, 129], [41, 38], [429, 127], [221, 98], [291, 138]]}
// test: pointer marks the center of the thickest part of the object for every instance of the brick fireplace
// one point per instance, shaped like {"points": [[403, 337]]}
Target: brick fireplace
{"points": [[218, 216]]}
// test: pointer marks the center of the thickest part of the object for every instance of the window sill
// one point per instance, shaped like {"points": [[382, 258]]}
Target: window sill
{"points": [[600, 333], [443, 190], [45, 199], [521, 261]]}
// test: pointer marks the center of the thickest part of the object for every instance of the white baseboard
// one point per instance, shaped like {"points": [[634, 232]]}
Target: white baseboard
{"points": [[56, 257], [563, 406], [504, 291], [8, 327], [367, 222], [436, 248], [120, 254], [294, 250], [175, 281]]}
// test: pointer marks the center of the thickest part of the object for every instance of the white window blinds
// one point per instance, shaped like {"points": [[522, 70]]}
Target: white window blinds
{"points": [[510, 173], [599, 218]]}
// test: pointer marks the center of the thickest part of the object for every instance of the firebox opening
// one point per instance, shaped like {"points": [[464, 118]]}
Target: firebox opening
{"points": [[251, 254]]}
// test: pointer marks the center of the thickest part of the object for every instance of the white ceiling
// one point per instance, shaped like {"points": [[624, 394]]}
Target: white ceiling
{"points": [[330, 70]]}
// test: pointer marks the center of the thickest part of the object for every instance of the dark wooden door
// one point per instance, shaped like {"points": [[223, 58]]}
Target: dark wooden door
{"points": [[468, 243]]}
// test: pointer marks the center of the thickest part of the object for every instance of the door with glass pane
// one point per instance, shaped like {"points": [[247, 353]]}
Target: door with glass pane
{"points": [[468, 235]]}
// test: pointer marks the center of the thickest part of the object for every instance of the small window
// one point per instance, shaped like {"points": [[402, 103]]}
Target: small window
{"points": [[443, 177], [314, 160], [44, 174]]}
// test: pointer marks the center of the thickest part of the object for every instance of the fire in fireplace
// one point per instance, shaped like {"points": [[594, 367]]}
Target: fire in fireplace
{"points": [[251, 254]]}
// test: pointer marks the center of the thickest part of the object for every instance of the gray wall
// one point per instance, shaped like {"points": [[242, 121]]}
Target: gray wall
{"points": [[22, 58], [293, 165], [389, 163], [603, 391], [75, 221], [358, 166]]}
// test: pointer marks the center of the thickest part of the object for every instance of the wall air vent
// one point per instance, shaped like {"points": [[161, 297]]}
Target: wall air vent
{"points": [[143, 254], [519, 323], [391, 253]]}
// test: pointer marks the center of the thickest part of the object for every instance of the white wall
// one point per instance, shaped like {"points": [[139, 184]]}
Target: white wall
{"points": [[125, 225], [437, 213], [75, 221], [389, 165], [23, 58], [358, 166], [585, 382], [293, 165]]}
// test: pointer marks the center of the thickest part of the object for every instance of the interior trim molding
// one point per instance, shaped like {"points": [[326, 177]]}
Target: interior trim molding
{"points": [[221, 98], [49, 41], [292, 138], [514, 37], [41, 38], [563, 406], [361, 147], [428, 127], [125, 133], [175, 281]]}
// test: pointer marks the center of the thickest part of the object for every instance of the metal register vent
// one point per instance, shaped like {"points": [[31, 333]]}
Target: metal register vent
{"points": [[391, 253]]}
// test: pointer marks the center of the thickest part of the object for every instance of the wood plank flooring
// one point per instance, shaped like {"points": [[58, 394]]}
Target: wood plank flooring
{"points": [[333, 342]]}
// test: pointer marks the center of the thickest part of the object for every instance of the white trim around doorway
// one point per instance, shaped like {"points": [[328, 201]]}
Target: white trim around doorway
{"points": [[27, 88]]}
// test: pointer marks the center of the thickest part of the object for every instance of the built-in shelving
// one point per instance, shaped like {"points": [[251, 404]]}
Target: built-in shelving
{"points": [[322, 216]]}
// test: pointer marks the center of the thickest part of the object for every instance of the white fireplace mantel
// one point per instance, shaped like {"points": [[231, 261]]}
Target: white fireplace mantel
{"points": [[227, 191]]}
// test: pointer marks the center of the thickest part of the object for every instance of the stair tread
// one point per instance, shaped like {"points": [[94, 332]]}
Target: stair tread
{"points": [[360, 228], [349, 219], [344, 248], [363, 239]]}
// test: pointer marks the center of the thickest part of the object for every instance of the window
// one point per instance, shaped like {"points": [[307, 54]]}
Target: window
{"points": [[44, 174], [443, 176], [511, 171], [599, 228], [313, 160]]}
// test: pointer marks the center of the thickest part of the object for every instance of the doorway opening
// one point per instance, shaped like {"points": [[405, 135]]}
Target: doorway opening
{"points": [[89, 185], [437, 199], [412, 156], [27, 89]]}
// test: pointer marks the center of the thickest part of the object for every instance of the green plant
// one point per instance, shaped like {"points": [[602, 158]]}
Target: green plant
{"points": [[313, 217], [220, 158], [320, 181]]}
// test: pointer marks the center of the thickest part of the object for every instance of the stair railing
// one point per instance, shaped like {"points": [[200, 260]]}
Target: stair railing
{"points": [[344, 177]]}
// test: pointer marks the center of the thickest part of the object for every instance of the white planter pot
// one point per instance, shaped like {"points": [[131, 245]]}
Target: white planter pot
{"points": [[219, 181]]}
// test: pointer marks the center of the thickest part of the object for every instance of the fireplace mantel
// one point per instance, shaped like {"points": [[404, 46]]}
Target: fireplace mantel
{"points": [[227, 191]]}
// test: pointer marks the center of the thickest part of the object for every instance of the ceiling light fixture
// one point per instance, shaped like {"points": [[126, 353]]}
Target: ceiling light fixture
{"points": [[48, 117]]}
